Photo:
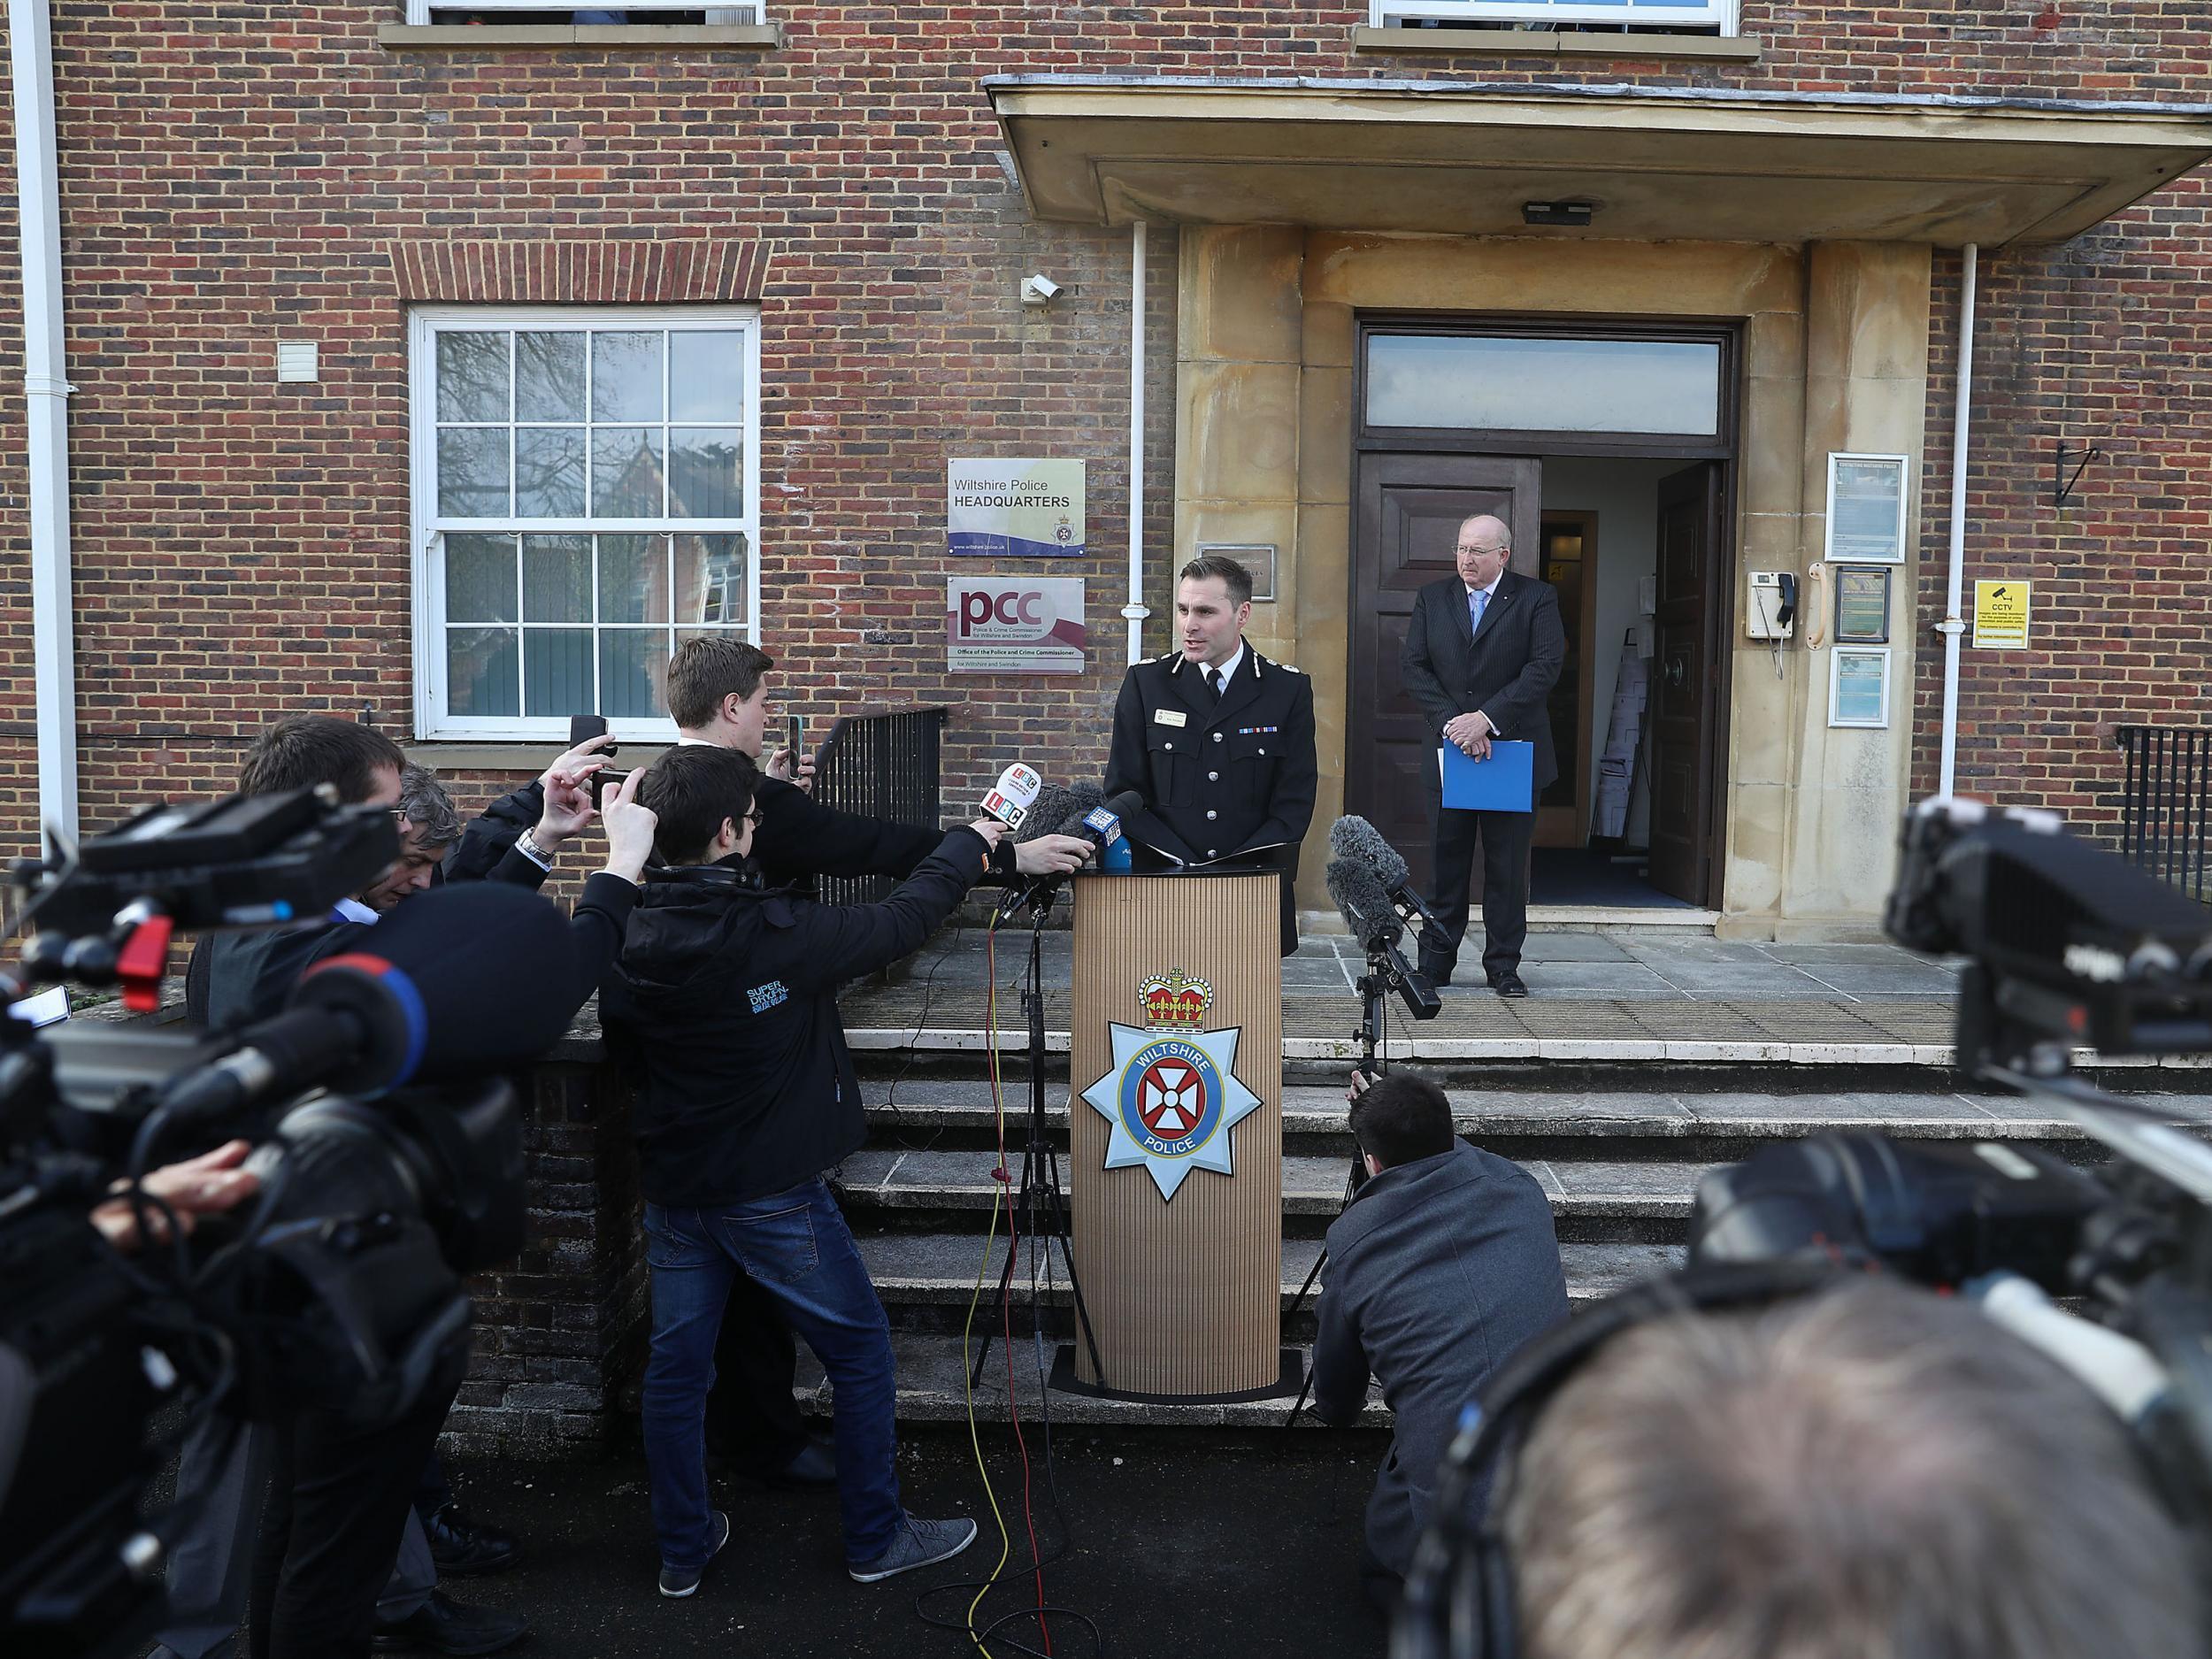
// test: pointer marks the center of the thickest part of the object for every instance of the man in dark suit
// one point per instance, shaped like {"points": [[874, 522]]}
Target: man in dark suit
{"points": [[1217, 739], [1443, 1263], [1483, 650]]}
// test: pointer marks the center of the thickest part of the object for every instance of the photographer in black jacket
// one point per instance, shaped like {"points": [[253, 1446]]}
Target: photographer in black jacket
{"points": [[724, 1001]]}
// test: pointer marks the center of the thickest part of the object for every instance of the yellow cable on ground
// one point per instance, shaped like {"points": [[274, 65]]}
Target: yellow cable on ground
{"points": [[982, 1271]]}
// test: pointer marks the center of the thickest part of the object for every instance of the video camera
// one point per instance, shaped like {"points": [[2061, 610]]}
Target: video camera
{"points": [[389, 1160], [2068, 946]]}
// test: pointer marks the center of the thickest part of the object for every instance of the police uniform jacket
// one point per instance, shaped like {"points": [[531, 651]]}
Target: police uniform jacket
{"points": [[1219, 780]]}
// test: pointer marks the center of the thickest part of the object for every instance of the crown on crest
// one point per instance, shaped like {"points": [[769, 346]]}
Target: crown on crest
{"points": [[1174, 1000]]}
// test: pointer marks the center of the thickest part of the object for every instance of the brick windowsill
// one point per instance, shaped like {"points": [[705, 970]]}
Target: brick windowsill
{"points": [[503, 37], [1739, 48]]}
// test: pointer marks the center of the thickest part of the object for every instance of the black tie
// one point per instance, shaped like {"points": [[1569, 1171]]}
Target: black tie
{"points": [[1213, 683]]}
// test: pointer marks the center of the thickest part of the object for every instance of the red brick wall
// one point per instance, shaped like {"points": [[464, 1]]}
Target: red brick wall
{"points": [[232, 174]]}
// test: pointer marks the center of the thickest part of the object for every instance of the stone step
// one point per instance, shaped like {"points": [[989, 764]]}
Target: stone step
{"points": [[939, 1270], [933, 1387], [879, 1179], [902, 1110]]}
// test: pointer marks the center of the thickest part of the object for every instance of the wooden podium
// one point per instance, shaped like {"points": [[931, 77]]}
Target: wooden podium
{"points": [[1181, 1262]]}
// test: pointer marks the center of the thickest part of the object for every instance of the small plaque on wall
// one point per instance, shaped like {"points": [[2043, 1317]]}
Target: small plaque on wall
{"points": [[1866, 509], [1858, 686], [1257, 556], [1861, 607]]}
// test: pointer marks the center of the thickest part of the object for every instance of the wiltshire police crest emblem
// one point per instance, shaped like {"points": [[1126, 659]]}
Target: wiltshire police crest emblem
{"points": [[1171, 1096]]}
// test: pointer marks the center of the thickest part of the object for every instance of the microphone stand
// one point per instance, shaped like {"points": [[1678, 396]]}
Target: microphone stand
{"points": [[1375, 986], [1039, 1200]]}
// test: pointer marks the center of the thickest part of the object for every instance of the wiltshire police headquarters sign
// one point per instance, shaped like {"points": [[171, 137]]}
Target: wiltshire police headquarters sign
{"points": [[1024, 510], [1172, 1095]]}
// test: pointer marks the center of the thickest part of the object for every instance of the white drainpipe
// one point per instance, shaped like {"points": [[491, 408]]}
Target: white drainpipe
{"points": [[1136, 610], [54, 671], [1952, 627]]}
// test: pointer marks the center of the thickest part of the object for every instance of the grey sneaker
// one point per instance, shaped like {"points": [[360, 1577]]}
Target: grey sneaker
{"points": [[919, 1544], [682, 1581]]}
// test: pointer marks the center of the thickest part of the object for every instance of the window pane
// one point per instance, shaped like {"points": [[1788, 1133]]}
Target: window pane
{"points": [[472, 472], [479, 672], [1497, 383], [556, 578], [633, 664], [626, 377], [706, 473], [472, 376], [706, 377], [710, 579], [557, 664], [549, 376], [633, 578], [480, 579], [626, 472], [549, 471]]}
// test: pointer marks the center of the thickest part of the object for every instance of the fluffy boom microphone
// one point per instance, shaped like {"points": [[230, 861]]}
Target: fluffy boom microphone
{"points": [[1364, 905], [1356, 839], [1056, 806], [1368, 912]]}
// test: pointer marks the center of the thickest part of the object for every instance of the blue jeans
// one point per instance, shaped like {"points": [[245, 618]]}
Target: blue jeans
{"points": [[795, 1245]]}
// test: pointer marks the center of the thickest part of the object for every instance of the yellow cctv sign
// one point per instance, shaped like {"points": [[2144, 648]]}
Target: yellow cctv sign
{"points": [[2000, 616]]}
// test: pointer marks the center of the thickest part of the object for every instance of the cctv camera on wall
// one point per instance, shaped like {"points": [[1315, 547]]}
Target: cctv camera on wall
{"points": [[1039, 290]]}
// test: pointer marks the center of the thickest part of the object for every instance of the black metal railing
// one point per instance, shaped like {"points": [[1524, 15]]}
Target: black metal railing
{"points": [[879, 766], [2166, 810]]}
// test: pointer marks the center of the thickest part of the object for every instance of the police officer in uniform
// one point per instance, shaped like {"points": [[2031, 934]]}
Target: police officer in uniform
{"points": [[1217, 739]]}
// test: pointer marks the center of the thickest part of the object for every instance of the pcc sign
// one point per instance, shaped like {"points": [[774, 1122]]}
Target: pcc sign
{"points": [[1014, 625]]}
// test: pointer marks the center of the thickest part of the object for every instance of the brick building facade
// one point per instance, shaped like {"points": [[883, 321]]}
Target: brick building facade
{"points": [[241, 546]]}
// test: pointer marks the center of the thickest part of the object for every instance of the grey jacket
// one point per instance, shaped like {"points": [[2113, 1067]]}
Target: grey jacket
{"points": [[1438, 1271]]}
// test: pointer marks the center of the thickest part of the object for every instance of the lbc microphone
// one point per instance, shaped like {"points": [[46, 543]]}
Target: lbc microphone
{"points": [[1010, 801], [457, 982], [1355, 839]]}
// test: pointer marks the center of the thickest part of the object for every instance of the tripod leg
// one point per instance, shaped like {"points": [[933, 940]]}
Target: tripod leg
{"points": [[1005, 1289], [1063, 1231]]}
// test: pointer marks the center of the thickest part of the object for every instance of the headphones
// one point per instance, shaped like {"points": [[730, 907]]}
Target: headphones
{"points": [[1458, 1602], [704, 875]]}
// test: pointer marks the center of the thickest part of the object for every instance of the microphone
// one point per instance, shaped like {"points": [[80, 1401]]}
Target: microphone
{"points": [[1364, 905], [1356, 838], [1099, 824], [1054, 805], [1010, 800], [1368, 912], [460, 981]]}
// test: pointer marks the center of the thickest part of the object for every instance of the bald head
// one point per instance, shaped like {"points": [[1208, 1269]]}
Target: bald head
{"points": [[1485, 544]]}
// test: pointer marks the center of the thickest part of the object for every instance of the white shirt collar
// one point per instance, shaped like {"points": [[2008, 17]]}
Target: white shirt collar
{"points": [[1492, 590], [695, 742], [1228, 670], [353, 911]]}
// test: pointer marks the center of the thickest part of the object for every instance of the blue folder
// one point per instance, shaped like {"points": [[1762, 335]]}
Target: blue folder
{"points": [[1504, 783]]}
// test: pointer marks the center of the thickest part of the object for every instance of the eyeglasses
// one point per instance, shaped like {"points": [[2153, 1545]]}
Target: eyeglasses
{"points": [[755, 819], [1485, 550]]}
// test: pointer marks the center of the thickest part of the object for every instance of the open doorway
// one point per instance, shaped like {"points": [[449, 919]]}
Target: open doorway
{"points": [[1614, 490], [1600, 531]]}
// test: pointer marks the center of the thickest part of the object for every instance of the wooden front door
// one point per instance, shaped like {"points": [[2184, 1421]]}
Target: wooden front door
{"points": [[1411, 508], [1571, 565], [1688, 672]]}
